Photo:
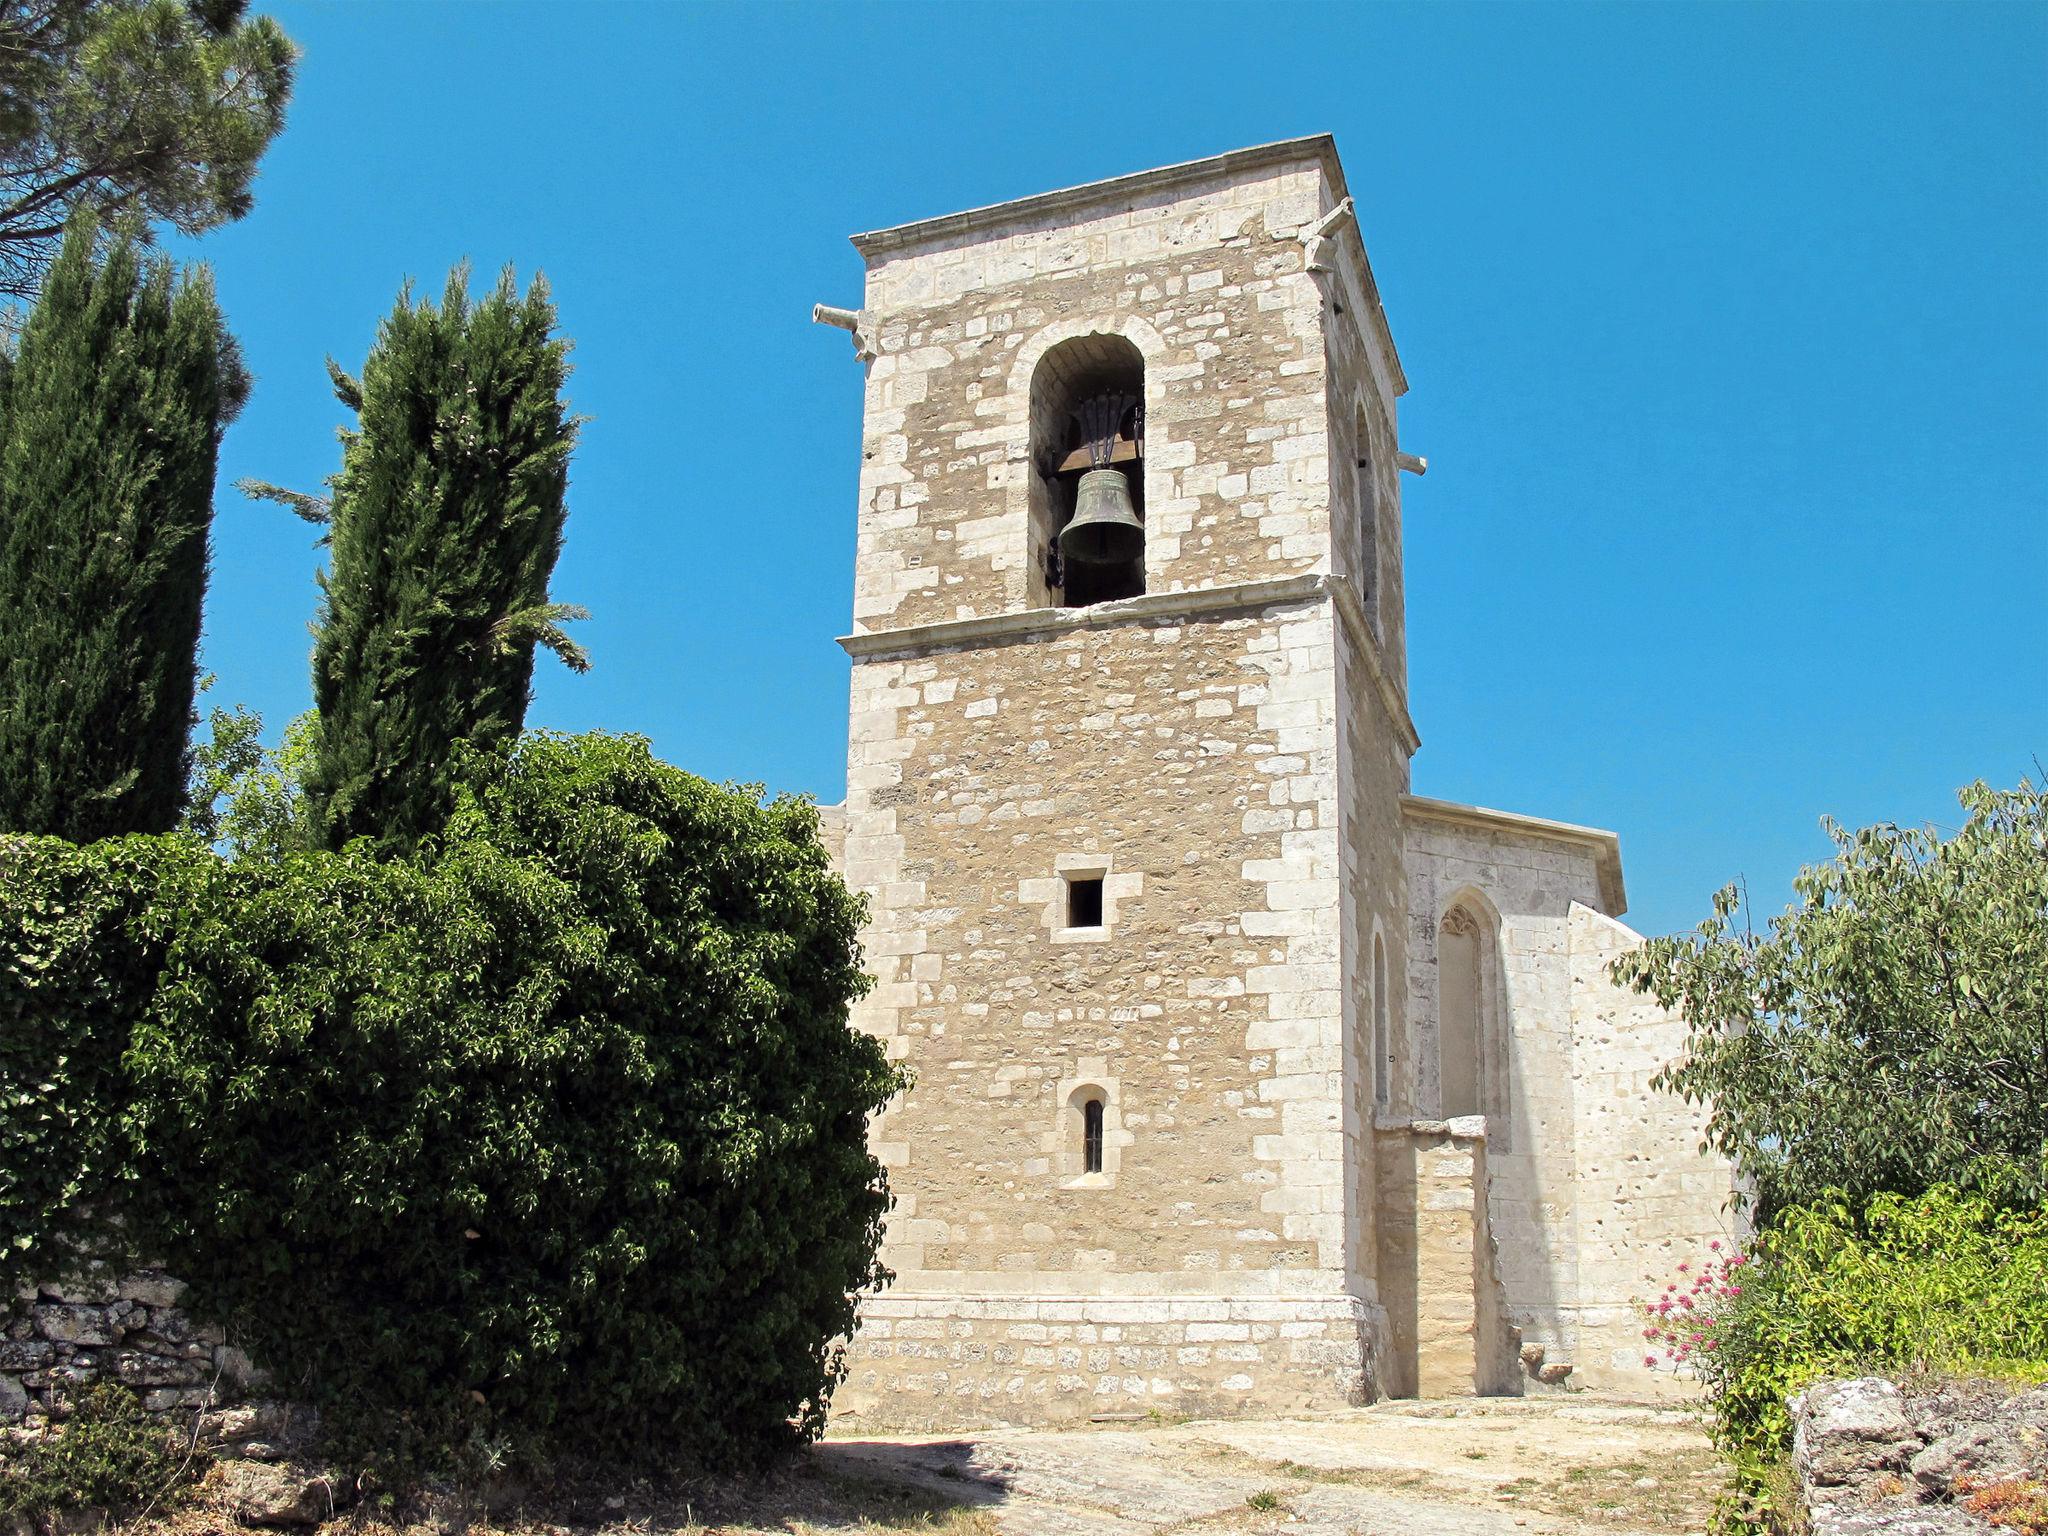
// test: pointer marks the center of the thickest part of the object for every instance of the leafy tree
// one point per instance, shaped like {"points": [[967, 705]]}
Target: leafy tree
{"points": [[245, 800], [110, 423], [1890, 1032], [154, 108], [548, 1139], [445, 524]]}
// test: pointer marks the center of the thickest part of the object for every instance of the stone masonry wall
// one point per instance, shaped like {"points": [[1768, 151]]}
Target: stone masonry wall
{"points": [[1190, 761], [1209, 283], [1185, 752], [1596, 1189], [1649, 1199], [1524, 887], [58, 1337]]}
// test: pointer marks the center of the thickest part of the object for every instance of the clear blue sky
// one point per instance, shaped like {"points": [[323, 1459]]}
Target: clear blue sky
{"points": [[1726, 329]]}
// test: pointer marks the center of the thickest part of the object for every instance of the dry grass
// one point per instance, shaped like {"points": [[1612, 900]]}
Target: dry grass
{"points": [[1593, 1493]]}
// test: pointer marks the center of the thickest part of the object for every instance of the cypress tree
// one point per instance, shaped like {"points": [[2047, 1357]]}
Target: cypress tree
{"points": [[445, 523], [111, 416]]}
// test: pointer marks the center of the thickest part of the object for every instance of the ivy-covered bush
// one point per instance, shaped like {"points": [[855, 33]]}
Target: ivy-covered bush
{"points": [[77, 970], [1946, 1281], [546, 1140]]}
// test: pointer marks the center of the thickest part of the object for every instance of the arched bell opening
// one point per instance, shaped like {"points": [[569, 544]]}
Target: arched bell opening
{"points": [[1087, 454]]}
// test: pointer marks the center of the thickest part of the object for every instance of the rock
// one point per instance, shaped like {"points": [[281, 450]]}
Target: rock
{"points": [[25, 1354], [1554, 1372], [93, 1283], [248, 1421], [169, 1323], [266, 1493], [2009, 1443], [136, 1369], [69, 1324], [13, 1400], [1532, 1355], [1851, 1427], [164, 1399], [153, 1291], [238, 1367]]}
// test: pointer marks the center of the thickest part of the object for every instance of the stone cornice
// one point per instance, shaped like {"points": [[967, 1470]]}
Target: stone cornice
{"points": [[921, 233], [1195, 602], [1605, 846]]}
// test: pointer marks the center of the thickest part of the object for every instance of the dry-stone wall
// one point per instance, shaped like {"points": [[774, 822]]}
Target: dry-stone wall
{"points": [[1933, 1461], [132, 1330]]}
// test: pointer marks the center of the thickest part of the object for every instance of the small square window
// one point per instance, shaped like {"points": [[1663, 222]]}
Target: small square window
{"points": [[1084, 901]]}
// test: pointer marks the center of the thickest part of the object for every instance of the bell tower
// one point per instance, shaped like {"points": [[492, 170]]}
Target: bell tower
{"points": [[1129, 740]]}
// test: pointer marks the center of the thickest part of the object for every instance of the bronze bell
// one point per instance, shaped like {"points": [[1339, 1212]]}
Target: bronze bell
{"points": [[1105, 530]]}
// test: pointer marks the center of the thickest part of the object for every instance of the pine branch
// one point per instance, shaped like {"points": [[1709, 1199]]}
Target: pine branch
{"points": [[347, 390], [313, 509], [542, 625]]}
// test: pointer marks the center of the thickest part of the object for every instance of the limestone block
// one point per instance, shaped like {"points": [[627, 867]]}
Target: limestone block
{"points": [[1850, 1427]]}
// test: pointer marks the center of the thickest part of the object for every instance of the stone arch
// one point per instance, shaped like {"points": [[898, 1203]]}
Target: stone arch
{"points": [[1029, 506], [1066, 1143], [1473, 1039]]}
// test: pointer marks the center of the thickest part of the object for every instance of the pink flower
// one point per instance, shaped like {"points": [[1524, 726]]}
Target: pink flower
{"points": [[1715, 1245], [1650, 1361], [1683, 1268]]}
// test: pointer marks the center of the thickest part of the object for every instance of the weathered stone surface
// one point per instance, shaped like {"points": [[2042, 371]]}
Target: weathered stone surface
{"points": [[1850, 1427], [1855, 1440], [26, 1354], [247, 1421], [154, 1289], [13, 1400], [70, 1323], [263, 1493]]}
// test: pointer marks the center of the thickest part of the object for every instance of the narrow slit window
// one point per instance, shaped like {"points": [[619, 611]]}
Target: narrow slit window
{"points": [[1084, 902], [1091, 1136]]}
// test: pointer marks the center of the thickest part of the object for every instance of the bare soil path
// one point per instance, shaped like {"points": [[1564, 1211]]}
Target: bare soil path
{"points": [[1485, 1467], [1471, 1467]]}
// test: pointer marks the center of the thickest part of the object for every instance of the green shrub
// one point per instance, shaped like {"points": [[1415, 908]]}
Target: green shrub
{"points": [[1885, 1033], [548, 1140], [1945, 1282], [77, 969], [109, 1455]]}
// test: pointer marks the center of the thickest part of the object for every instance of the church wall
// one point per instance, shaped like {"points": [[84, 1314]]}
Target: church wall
{"points": [[1531, 885], [1192, 760], [1208, 282], [1595, 1190], [1373, 772], [1649, 1200]]}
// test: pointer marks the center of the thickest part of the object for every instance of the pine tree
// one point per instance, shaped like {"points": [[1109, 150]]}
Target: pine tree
{"points": [[111, 416], [159, 109], [446, 521]]}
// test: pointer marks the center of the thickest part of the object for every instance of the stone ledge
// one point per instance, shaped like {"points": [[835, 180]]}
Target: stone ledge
{"points": [[1115, 1309], [1190, 603]]}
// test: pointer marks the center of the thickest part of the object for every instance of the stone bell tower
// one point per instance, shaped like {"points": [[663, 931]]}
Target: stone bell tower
{"points": [[1124, 787]]}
